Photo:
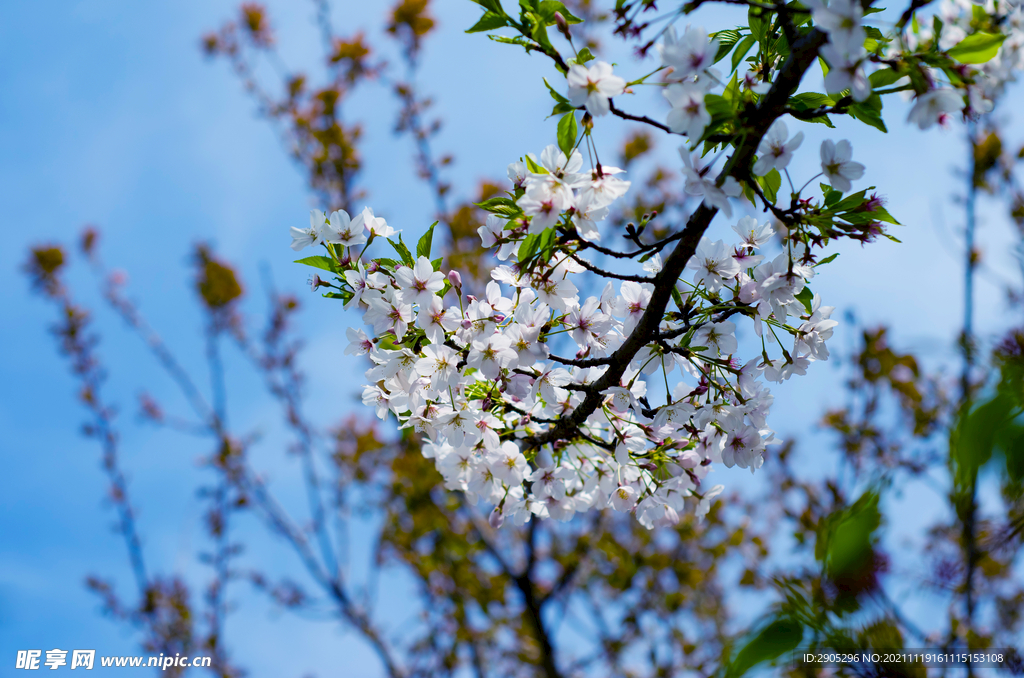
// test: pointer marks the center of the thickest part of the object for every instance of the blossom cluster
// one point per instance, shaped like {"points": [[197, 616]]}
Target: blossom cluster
{"points": [[543, 400], [481, 379]]}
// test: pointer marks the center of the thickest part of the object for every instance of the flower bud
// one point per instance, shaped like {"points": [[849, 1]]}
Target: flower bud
{"points": [[563, 25], [496, 518], [467, 323], [455, 279]]}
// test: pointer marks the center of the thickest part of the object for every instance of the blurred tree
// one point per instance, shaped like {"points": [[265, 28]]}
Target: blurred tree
{"points": [[596, 596]]}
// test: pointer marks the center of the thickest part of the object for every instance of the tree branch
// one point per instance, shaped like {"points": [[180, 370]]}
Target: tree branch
{"points": [[753, 128]]}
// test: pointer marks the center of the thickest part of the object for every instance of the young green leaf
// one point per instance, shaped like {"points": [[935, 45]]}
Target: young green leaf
{"points": [[403, 251], [582, 57], [528, 247], [423, 246], [534, 167], [325, 263], [779, 637], [759, 22], [554, 93], [806, 298], [489, 21], [492, 5], [977, 48], [868, 114], [741, 50], [567, 133], [547, 10], [726, 40]]}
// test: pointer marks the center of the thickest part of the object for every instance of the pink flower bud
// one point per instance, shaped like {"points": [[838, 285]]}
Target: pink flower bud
{"points": [[467, 323], [563, 25], [455, 279]]}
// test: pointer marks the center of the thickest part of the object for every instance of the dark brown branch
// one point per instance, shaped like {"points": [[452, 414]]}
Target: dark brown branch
{"points": [[584, 362], [619, 113], [608, 274], [656, 247]]}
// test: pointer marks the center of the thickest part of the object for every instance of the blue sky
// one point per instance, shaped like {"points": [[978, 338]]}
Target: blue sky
{"points": [[111, 116]]}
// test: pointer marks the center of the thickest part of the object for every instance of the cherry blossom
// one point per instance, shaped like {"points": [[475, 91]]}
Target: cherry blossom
{"points": [[776, 149], [593, 87], [930, 107], [837, 164]]}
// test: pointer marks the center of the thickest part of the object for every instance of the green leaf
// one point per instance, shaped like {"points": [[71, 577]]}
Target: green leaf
{"points": [[807, 101], [978, 434], [546, 243], [845, 536], [678, 298], [532, 165], [423, 246], [562, 108], [883, 77], [868, 114], [582, 57], [774, 180], [517, 40], [826, 260], [718, 106], [528, 247], [741, 50], [731, 93], [758, 23], [780, 46], [977, 48], [548, 8], [489, 21], [504, 207], [780, 637], [539, 31], [881, 214], [403, 251], [770, 184], [726, 40], [567, 133], [806, 297], [937, 26], [324, 263], [852, 201], [875, 34], [554, 93], [492, 5], [832, 196], [436, 264], [492, 203]]}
